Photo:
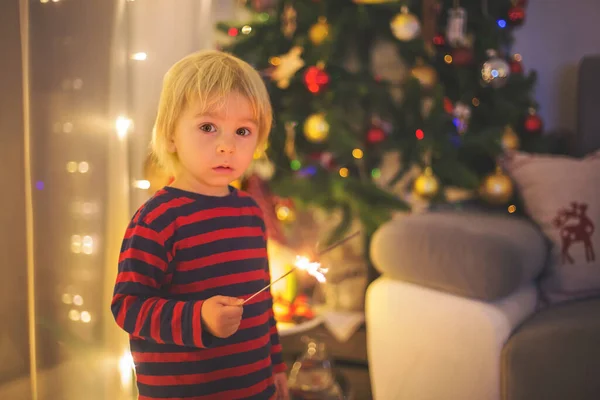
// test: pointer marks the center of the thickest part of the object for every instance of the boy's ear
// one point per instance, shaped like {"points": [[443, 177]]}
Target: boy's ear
{"points": [[171, 148]]}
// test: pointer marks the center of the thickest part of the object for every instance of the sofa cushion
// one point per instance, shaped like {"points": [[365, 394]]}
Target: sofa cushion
{"points": [[475, 255], [561, 194], [555, 355]]}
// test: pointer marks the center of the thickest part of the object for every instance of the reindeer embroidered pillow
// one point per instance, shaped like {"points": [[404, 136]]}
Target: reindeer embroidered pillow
{"points": [[562, 195]]}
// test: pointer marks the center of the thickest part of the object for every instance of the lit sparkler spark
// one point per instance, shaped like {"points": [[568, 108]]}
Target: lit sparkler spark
{"points": [[313, 268]]}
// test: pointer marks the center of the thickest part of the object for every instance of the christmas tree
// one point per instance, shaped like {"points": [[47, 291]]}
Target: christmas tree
{"points": [[459, 99]]}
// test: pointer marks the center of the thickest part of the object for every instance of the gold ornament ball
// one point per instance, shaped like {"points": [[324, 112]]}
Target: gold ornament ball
{"points": [[425, 74], [316, 128], [284, 213], [427, 184], [405, 26], [497, 188], [319, 32], [510, 139]]}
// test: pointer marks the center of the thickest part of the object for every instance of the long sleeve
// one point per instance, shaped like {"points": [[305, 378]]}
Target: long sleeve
{"points": [[138, 305], [276, 350]]}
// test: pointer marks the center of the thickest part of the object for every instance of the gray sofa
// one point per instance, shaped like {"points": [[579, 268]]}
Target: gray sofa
{"points": [[456, 313]]}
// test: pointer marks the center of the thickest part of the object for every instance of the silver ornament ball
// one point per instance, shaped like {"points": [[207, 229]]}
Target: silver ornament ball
{"points": [[495, 71]]}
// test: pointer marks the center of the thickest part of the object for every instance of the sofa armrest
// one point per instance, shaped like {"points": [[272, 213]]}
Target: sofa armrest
{"points": [[473, 255]]}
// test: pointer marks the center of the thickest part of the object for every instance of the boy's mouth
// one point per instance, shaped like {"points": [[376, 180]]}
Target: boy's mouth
{"points": [[223, 168]]}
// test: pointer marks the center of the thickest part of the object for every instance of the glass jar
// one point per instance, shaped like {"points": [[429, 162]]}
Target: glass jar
{"points": [[312, 375]]}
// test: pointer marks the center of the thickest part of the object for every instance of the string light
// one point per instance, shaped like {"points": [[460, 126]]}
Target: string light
{"points": [[419, 134], [67, 298], [376, 173], [512, 208], [246, 29], [141, 56], [357, 153], [126, 369], [344, 172], [122, 124], [83, 167], [74, 315], [85, 317], [78, 300], [142, 184], [448, 59]]}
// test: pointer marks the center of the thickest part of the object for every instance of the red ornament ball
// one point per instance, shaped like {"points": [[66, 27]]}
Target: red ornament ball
{"points": [[533, 124], [462, 56], [516, 67], [516, 15], [375, 135], [448, 106], [439, 40], [315, 79], [325, 159]]}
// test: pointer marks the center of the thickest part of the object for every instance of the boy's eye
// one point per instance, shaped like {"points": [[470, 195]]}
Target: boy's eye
{"points": [[208, 128], [243, 131]]}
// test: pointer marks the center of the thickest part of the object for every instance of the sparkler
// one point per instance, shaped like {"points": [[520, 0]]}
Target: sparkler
{"points": [[303, 263]]}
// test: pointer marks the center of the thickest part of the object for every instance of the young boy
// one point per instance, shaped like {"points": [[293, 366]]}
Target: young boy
{"points": [[197, 248]]}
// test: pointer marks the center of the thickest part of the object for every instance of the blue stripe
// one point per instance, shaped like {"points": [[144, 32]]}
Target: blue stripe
{"points": [[183, 391]]}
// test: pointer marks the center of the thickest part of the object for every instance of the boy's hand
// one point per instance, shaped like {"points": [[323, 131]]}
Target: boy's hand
{"points": [[222, 315], [281, 387]]}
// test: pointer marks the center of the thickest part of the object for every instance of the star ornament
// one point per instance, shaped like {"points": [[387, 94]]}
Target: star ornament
{"points": [[287, 67]]}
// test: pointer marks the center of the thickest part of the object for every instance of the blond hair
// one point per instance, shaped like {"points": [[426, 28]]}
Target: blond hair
{"points": [[207, 77]]}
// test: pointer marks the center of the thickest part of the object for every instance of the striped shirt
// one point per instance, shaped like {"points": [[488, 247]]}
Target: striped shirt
{"points": [[180, 249]]}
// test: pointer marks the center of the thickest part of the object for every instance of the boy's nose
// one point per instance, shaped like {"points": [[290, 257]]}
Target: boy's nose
{"points": [[226, 146]]}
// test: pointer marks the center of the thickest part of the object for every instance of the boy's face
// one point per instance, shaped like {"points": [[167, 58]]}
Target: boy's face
{"points": [[216, 147]]}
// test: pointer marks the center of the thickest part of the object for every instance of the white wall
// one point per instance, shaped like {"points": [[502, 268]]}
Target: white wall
{"points": [[556, 35]]}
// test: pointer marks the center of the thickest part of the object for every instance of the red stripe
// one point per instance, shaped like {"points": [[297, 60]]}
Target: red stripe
{"points": [[197, 324], [194, 379], [273, 330], [220, 234], [230, 394], [220, 258], [136, 277], [254, 321], [212, 213], [276, 349], [164, 207], [176, 323], [144, 232], [218, 281], [116, 298], [279, 368], [127, 302], [140, 255], [155, 322], [143, 315], [202, 355]]}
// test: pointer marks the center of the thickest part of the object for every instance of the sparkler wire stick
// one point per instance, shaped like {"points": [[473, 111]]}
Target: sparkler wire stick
{"points": [[320, 253]]}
